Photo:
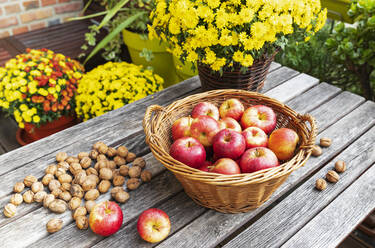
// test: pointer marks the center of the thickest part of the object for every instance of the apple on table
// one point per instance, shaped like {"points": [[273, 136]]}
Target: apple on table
{"points": [[228, 144], [283, 143], [258, 158], [232, 108], [205, 108], [106, 218], [259, 116], [189, 151], [153, 225]]}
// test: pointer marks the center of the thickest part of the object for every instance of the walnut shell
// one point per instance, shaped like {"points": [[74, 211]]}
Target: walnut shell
{"points": [[80, 178], [82, 155], [56, 192], [94, 177], [18, 187], [97, 144], [54, 184], [65, 178], [105, 173], [48, 199], [130, 158], [340, 166], [111, 165], [10, 210], [76, 191], [92, 195], [39, 197], [101, 157], [75, 168], [89, 184], [325, 142], [103, 148], [132, 183], [82, 222], [101, 164], [28, 196], [124, 170], [93, 154], [36, 187], [74, 203], [59, 172], [47, 178], [115, 190], [122, 151], [118, 181], [57, 206], [63, 165], [29, 180], [65, 186], [135, 172], [61, 156], [16, 199], [119, 160], [65, 196], [85, 162], [316, 151], [54, 225], [332, 176], [71, 160], [122, 196], [116, 173], [320, 184], [51, 169], [111, 152], [104, 186], [89, 205], [80, 211], [146, 176], [92, 171], [139, 162]]}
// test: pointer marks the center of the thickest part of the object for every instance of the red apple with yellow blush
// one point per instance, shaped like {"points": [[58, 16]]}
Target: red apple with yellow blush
{"points": [[228, 144], [225, 166], [255, 137], [153, 225], [204, 128], [229, 123], [189, 151], [232, 108], [283, 143], [259, 116], [105, 218], [205, 108], [181, 127], [258, 158]]}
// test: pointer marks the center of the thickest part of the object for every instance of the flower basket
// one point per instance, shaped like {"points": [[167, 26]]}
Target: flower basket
{"points": [[227, 193]]}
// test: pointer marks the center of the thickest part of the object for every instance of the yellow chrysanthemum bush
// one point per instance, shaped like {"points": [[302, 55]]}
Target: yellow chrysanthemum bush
{"points": [[39, 86], [232, 34], [111, 86]]}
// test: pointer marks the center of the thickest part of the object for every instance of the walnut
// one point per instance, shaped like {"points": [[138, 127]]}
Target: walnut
{"points": [[54, 225], [115, 190], [124, 170], [65, 196], [18, 187], [74, 203], [321, 184], [63, 165], [85, 162], [75, 168], [130, 158], [92, 195], [104, 186], [80, 178], [89, 184], [101, 164], [65, 186], [47, 178], [132, 183], [57, 206], [103, 148], [51, 169], [139, 162], [135, 172], [93, 154], [16, 199], [76, 191], [122, 196], [37, 186], [105, 174], [71, 160], [340, 166], [97, 144], [82, 222], [29, 180], [111, 152], [146, 176], [118, 181], [56, 192], [59, 172], [80, 211], [65, 178], [94, 177], [61, 156], [122, 151], [119, 160], [28, 196], [111, 165], [332, 176], [90, 205], [48, 199], [316, 151], [91, 171], [325, 142], [116, 173], [39, 197], [54, 184], [82, 155], [101, 157], [10, 210]]}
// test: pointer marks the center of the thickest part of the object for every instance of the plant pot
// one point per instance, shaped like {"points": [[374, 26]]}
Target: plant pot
{"points": [[252, 80], [183, 72], [32, 133], [162, 63], [337, 9]]}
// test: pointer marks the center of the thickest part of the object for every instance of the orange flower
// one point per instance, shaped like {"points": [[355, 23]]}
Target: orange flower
{"points": [[37, 99], [46, 106], [60, 107], [54, 107]]}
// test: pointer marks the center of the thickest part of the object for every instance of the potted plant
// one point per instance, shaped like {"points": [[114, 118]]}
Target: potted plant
{"points": [[37, 88], [111, 86], [233, 42]]}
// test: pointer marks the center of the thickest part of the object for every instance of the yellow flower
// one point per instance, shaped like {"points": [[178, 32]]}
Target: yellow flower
{"points": [[248, 60], [238, 56], [36, 119]]}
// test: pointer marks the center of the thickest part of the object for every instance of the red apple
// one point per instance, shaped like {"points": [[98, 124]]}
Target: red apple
{"points": [[204, 129], [105, 218], [230, 123], [189, 151], [259, 116], [229, 144], [255, 137], [231, 108], [225, 166], [205, 108], [153, 225], [283, 142], [258, 158], [205, 166], [181, 127]]}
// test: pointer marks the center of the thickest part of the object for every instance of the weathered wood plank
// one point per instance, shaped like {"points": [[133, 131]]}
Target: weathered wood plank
{"points": [[293, 212], [222, 225], [275, 79], [8, 128], [342, 215], [293, 87]]}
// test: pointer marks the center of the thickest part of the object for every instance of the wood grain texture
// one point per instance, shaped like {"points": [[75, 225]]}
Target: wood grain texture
{"points": [[293, 212], [339, 215], [275, 79], [222, 225]]}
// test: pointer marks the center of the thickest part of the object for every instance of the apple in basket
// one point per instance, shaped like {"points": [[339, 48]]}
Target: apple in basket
{"points": [[105, 218], [283, 143], [189, 151], [153, 225], [230, 123], [231, 108], [225, 166], [255, 137], [258, 158], [259, 116], [204, 129], [181, 127], [205, 166], [228, 144], [205, 108]]}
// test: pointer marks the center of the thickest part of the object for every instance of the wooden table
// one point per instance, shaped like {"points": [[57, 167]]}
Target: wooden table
{"points": [[297, 215]]}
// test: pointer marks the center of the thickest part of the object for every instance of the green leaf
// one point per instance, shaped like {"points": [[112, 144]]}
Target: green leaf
{"points": [[112, 12], [111, 35]]}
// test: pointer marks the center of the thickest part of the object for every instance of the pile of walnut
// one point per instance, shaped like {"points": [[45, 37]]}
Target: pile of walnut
{"points": [[73, 179]]}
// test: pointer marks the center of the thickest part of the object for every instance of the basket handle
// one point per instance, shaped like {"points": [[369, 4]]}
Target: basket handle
{"points": [[312, 134], [147, 121]]}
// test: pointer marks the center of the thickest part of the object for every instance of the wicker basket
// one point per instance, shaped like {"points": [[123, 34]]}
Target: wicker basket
{"points": [[227, 193]]}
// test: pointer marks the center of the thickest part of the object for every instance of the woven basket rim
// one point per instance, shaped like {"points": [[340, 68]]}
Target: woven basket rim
{"points": [[242, 179]]}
